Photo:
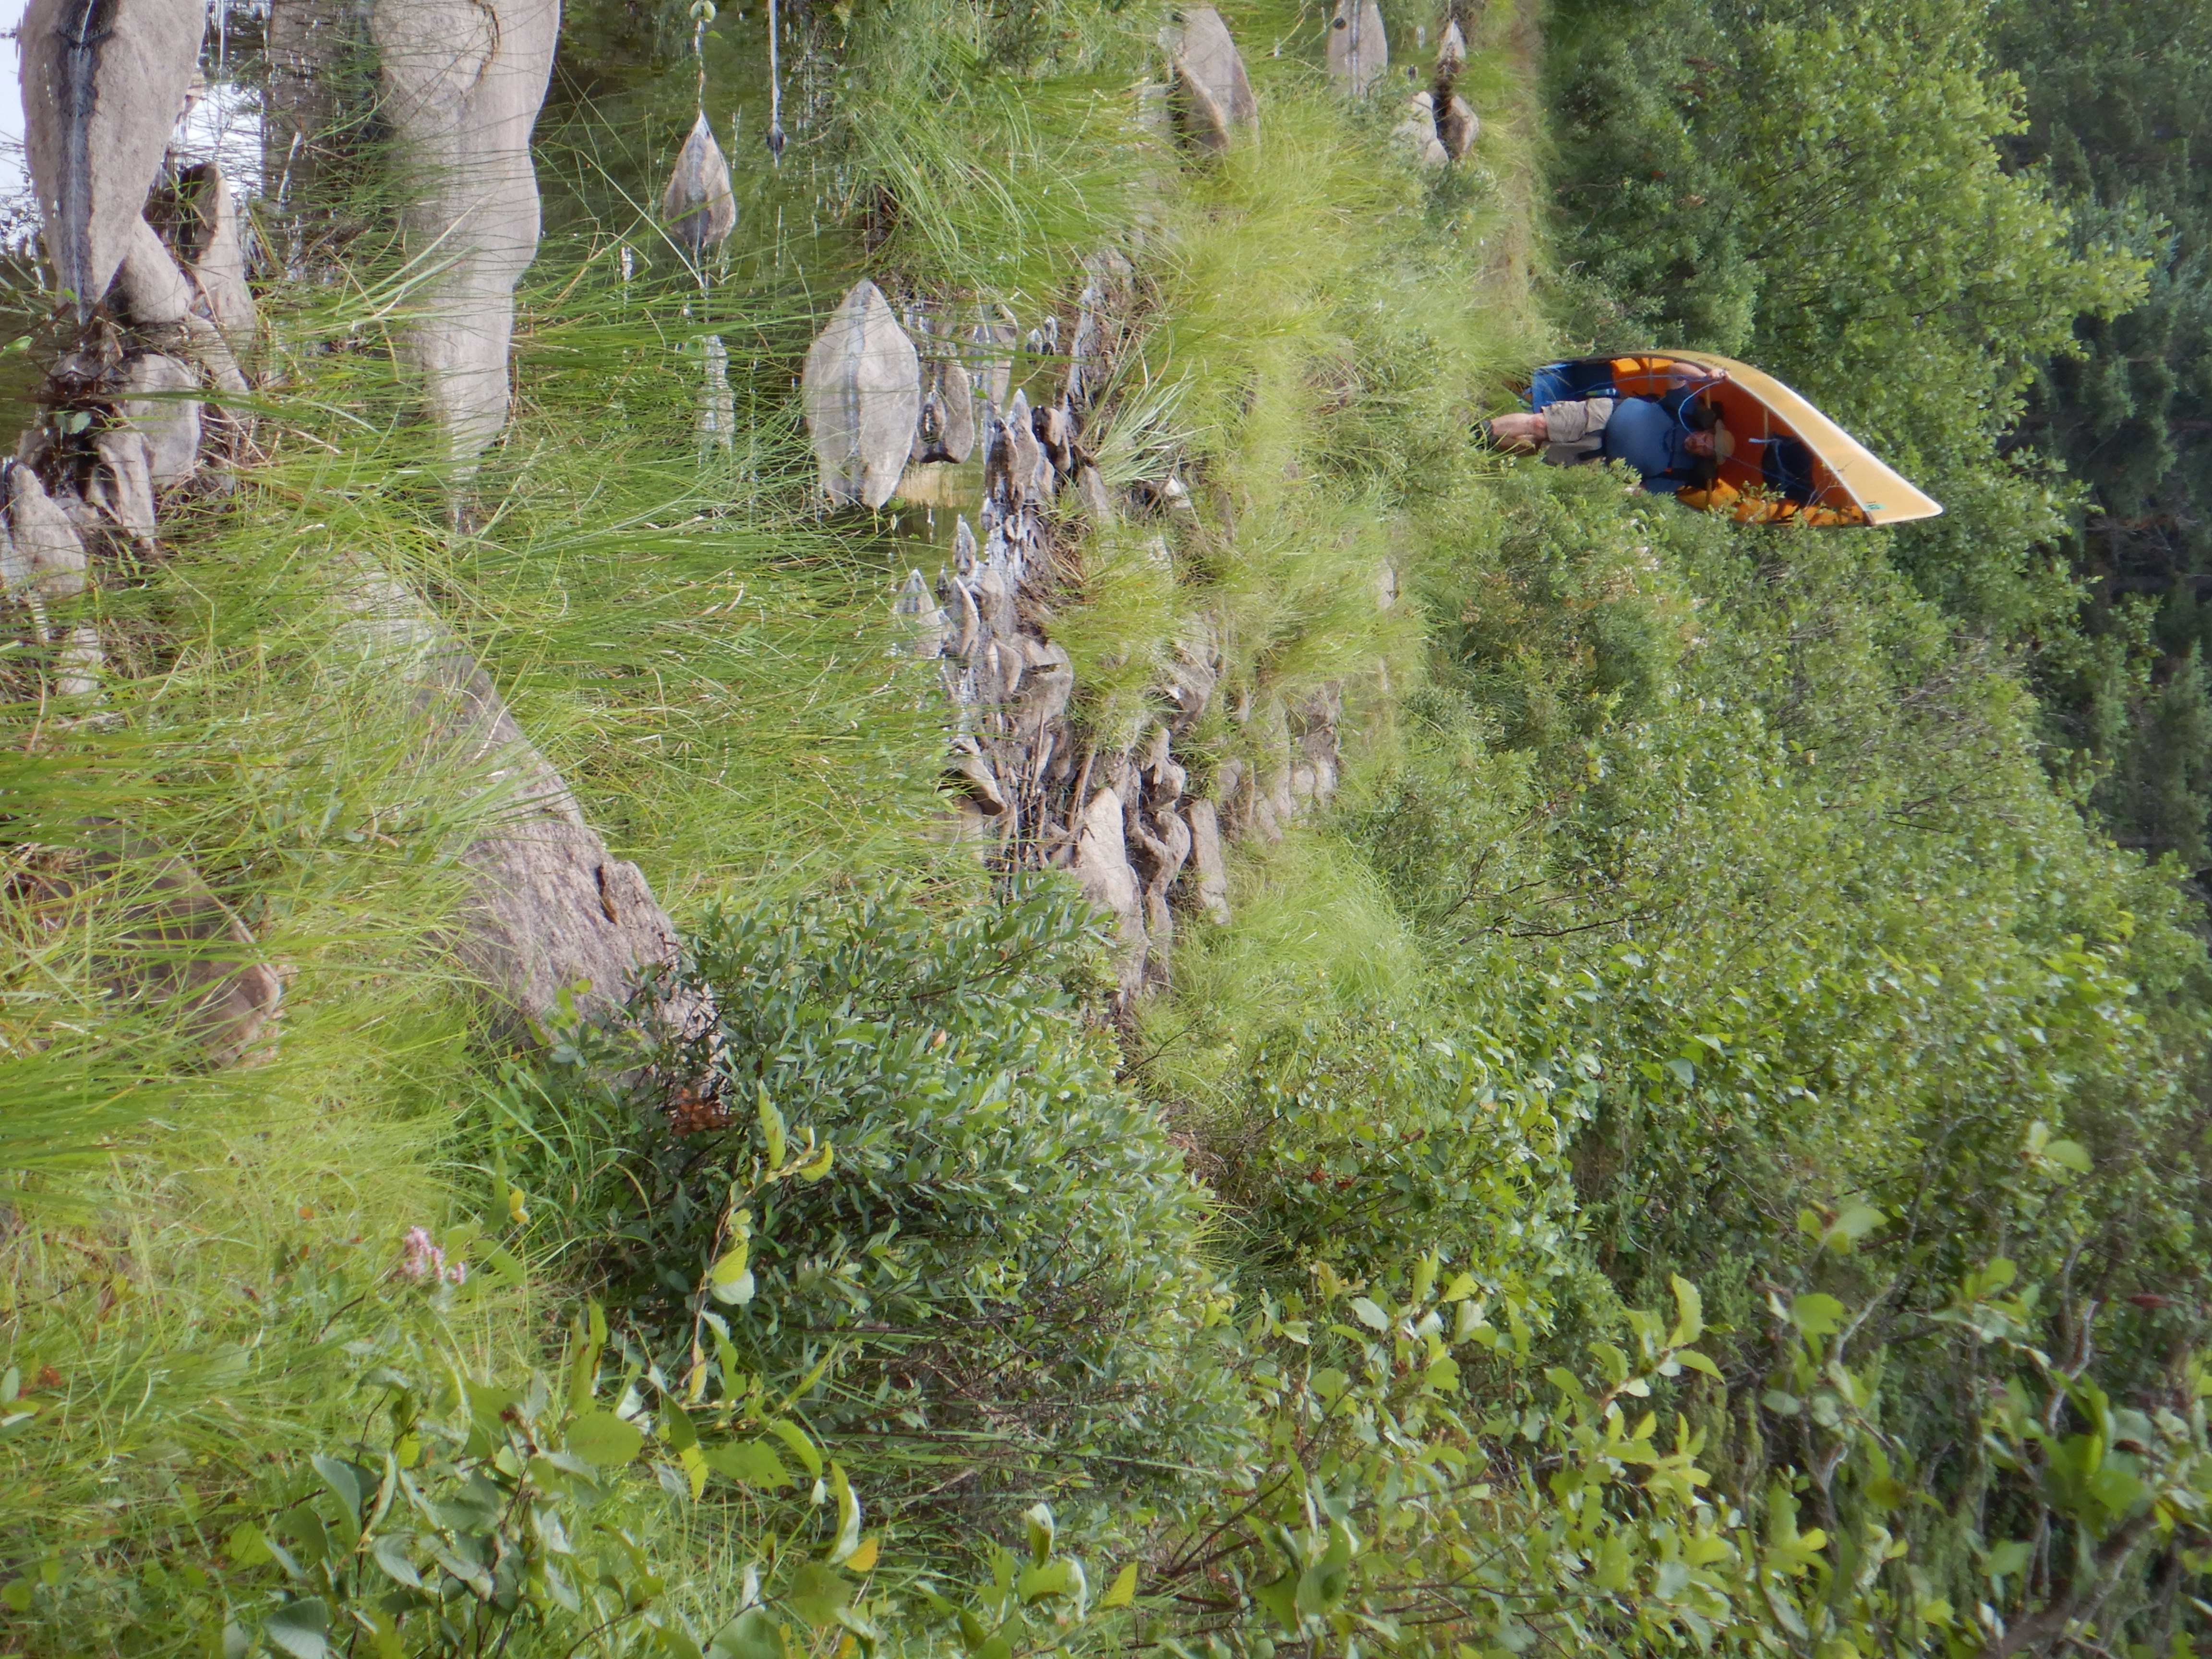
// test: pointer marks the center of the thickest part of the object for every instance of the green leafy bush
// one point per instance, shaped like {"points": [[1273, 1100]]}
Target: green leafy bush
{"points": [[1007, 1254]]}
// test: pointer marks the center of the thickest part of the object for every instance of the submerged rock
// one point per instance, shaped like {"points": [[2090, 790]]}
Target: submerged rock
{"points": [[947, 428], [718, 404], [1167, 841], [1090, 491], [1105, 873], [1021, 454], [49, 553], [991, 359], [1418, 133], [923, 620], [862, 389], [699, 207], [150, 284], [181, 944]]}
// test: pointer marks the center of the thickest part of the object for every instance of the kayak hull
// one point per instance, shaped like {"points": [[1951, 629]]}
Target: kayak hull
{"points": [[1791, 464]]}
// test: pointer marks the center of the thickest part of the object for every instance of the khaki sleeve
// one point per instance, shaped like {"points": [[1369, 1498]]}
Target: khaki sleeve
{"points": [[1573, 421]]}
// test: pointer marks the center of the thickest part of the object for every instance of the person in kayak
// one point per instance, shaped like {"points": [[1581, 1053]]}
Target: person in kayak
{"points": [[1674, 442]]}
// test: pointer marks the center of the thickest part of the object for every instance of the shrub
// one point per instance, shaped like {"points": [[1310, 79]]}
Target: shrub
{"points": [[1006, 1256]]}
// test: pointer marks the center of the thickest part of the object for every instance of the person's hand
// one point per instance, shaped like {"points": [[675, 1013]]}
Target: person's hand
{"points": [[1522, 430]]}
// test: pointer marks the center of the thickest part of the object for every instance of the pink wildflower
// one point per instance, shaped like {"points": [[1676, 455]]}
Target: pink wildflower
{"points": [[422, 1260]]}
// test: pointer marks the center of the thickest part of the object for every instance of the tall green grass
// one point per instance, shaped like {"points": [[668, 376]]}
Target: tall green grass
{"points": [[705, 658]]}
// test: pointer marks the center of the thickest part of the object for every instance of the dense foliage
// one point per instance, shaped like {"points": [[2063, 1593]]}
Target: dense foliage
{"points": [[2116, 105], [1819, 189], [1704, 1149]]}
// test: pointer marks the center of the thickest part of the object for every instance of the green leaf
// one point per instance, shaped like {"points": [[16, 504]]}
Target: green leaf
{"points": [[341, 1478], [1037, 1521], [1886, 1492], [1061, 1576], [1322, 1586], [1988, 1279], [748, 1463], [1369, 1314], [2072, 1154], [391, 1553], [1858, 1219], [383, 1632], [801, 1447], [752, 1635], [1689, 1313], [848, 1515], [731, 1279], [1817, 1313], [772, 1129], [817, 1592], [504, 1268], [298, 1627], [1698, 1362], [818, 1166], [1280, 1599], [589, 1337], [246, 1546], [1123, 1590], [603, 1438]]}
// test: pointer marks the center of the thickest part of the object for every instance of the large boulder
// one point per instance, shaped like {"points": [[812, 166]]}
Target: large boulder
{"points": [[103, 87], [462, 81], [862, 390], [1212, 96]]}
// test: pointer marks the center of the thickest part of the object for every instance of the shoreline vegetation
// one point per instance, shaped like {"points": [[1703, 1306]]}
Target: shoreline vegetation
{"points": [[1687, 1132]]}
